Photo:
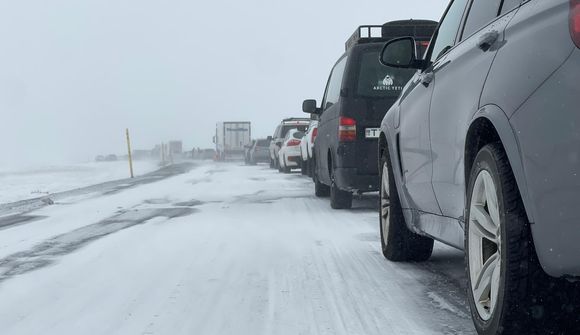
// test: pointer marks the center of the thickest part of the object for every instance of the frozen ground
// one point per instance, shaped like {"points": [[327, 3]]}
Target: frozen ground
{"points": [[221, 249], [27, 183]]}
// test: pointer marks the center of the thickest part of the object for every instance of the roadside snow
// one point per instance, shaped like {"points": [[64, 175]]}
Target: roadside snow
{"points": [[22, 184]]}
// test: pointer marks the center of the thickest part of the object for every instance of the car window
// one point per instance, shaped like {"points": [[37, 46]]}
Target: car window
{"points": [[480, 14], [334, 84], [298, 134], [379, 81], [448, 29], [288, 134], [277, 132], [508, 5], [285, 129]]}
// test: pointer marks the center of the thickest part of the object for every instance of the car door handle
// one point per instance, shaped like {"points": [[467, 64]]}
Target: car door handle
{"points": [[427, 78], [487, 40]]}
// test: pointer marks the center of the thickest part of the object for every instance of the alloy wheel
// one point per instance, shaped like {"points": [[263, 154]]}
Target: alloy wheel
{"points": [[385, 202], [484, 251]]}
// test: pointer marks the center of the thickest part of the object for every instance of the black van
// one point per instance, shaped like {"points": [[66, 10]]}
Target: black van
{"points": [[358, 94]]}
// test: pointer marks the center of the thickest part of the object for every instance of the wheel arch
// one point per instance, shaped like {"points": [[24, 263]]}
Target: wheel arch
{"points": [[490, 124]]}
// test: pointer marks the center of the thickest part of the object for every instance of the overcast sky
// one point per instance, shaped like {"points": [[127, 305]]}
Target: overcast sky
{"points": [[75, 73]]}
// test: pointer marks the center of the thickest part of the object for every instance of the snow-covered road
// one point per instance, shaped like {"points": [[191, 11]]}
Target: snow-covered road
{"points": [[221, 249]]}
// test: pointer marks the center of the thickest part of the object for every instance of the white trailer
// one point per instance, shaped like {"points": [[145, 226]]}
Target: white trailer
{"points": [[231, 139]]}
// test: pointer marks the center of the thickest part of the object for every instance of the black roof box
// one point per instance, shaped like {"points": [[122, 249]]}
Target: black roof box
{"points": [[420, 29]]}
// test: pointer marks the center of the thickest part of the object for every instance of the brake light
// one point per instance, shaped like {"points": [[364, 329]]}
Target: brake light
{"points": [[346, 129], [314, 133], [575, 21], [423, 44], [293, 143]]}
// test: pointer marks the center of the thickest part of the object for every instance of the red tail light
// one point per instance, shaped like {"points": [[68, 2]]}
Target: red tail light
{"points": [[346, 129], [293, 143], [575, 21], [314, 133]]}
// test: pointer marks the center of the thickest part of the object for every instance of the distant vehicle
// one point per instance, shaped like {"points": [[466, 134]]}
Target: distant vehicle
{"points": [[247, 150], [281, 132], [359, 92], [111, 158], [306, 147], [481, 152], [259, 152], [100, 158], [175, 148], [289, 153], [207, 154], [231, 138]]}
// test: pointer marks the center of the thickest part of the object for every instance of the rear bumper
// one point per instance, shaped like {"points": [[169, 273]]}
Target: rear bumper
{"points": [[349, 180], [261, 157]]}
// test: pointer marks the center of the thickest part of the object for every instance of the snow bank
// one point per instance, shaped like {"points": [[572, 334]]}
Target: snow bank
{"points": [[16, 185]]}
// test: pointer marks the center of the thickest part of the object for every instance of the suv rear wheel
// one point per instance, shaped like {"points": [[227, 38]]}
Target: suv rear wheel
{"points": [[399, 244], [339, 199], [508, 292]]}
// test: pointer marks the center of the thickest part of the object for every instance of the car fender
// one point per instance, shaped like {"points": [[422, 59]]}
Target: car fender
{"points": [[509, 140]]}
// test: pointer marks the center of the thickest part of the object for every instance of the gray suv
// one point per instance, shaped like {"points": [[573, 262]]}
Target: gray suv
{"points": [[482, 152]]}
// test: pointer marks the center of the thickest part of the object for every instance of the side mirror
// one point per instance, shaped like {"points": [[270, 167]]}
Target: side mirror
{"points": [[400, 53], [213, 139], [279, 144], [309, 106], [269, 138]]}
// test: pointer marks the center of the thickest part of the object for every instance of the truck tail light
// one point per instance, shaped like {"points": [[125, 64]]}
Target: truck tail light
{"points": [[314, 133], [346, 129], [575, 21], [293, 143]]}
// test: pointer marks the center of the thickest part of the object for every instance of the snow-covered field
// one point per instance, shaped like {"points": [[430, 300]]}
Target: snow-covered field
{"points": [[222, 249], [26, 183]]}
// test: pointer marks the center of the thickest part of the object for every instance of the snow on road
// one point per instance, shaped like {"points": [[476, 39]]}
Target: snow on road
{"points": [[26, 183], [223, 249]]}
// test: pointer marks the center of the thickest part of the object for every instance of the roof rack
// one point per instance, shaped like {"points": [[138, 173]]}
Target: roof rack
{"points": [[365, 34], [420, 29], [295, 119]]}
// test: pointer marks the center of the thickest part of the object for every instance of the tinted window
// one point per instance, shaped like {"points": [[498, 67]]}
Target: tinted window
{"points": [[509, 5], [448, 29], [334, 84], [276, 132], [298, 135], [480, 14], [377, 80], [263, 143], [285, 129]]}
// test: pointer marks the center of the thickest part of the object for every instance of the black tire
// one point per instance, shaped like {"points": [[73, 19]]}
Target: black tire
{"points": [[272, 165], [285, 169], [320, 190], [528, 300], [399, 244], [339, 199], [304, 167], [312, 161]]}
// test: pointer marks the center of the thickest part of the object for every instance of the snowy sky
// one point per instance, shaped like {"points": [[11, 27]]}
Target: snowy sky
{"points": [[74, 74]]}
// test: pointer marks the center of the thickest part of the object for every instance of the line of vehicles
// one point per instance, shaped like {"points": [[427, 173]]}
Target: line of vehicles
{"points": [[469, 129]]}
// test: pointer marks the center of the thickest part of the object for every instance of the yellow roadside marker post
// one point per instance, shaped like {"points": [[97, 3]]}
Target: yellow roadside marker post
{"points": [[129, 151]]}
